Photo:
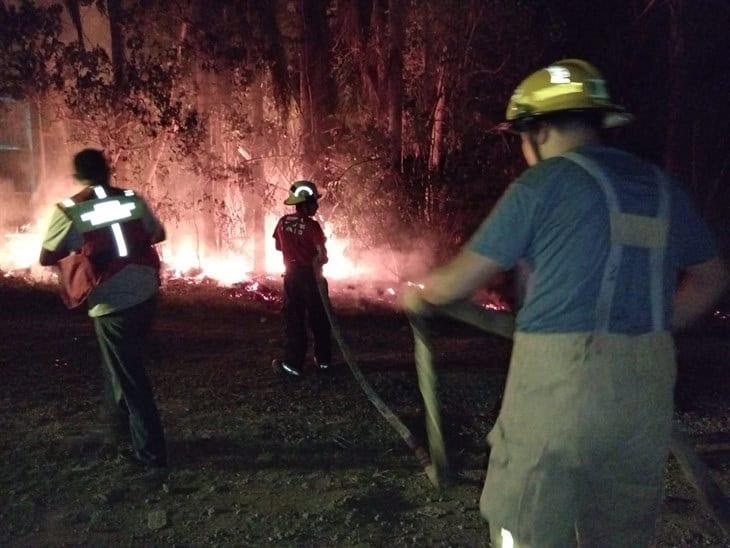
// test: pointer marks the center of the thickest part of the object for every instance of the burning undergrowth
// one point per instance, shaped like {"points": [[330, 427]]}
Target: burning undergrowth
{"points": [[266, 290], [198, 259]]}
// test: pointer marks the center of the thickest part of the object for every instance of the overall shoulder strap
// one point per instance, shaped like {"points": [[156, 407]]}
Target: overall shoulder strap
{"points": [[634, 230], [613, 261]]}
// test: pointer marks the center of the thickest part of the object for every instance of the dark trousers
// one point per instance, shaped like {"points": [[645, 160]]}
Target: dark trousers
{"points": [[131, 408], [302, 301]]}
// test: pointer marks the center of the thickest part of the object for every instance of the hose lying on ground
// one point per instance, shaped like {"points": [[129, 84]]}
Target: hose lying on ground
{"points": [[435, 462], [502, 324], [380, 405]]}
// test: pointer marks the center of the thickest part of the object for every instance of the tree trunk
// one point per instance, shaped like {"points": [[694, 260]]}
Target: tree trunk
{"points": [[161, 141], [318, 93], [427, 86], [75, 13], [258, 215], [378, 65], [676, 152], [439, 118], [41, 143], [116, 14], [355, 28], [395, 84]]}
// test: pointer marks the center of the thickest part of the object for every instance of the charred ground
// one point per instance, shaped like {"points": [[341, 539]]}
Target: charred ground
{"points": [[257, 460]]}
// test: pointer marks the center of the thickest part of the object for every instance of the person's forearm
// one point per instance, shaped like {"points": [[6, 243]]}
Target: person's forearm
{"points": [[691, 302], [458, 279], [699, 291]]}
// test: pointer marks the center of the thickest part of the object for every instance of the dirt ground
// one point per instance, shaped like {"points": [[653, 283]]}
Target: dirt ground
{"points": [[259, 460]]}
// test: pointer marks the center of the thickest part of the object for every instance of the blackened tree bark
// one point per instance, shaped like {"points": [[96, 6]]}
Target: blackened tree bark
{"points": [[274, 54], [75, 13], [378, 64], [257, 215], [676, 149], [354, 30], [439, 115], [317, 87], [159, 146], [116, 16], [395, 83]]}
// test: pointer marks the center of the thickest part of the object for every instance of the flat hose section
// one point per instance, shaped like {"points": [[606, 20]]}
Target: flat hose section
{"points": [[392, 419], [435, 461], [502, 324]]}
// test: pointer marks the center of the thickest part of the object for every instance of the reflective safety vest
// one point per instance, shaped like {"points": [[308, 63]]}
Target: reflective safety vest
{"points": [[110, 221]]}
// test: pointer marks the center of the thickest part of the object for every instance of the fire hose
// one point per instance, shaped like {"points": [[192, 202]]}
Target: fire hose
{"points": [[501, 323], [435, 461], [392, 419]]}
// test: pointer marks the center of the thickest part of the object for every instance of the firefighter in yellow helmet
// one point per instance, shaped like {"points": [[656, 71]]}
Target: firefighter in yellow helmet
{"points": [[302, 242], [579, 447]]}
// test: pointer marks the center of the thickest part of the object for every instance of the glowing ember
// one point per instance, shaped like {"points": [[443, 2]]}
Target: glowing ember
{"points": [[720, 315]]}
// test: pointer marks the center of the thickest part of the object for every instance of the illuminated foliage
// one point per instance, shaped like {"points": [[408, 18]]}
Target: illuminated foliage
{"points": [[390, 105]]}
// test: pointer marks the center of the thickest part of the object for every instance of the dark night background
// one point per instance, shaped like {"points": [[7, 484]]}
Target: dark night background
{"points": [[210, 110], [391, 106]]}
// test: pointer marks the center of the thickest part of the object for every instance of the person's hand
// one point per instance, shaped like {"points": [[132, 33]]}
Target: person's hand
{"points": [[413, 302]]}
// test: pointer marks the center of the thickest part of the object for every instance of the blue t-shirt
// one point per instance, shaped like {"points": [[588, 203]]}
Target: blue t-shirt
{"points": [[554, 220]]}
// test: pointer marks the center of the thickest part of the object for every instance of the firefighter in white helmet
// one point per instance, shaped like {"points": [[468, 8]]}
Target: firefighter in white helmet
{"points": [[579, 448], [102, 241], [302, 243]]}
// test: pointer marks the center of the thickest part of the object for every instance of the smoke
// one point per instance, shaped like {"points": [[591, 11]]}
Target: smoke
{"points": [[24, 218]]}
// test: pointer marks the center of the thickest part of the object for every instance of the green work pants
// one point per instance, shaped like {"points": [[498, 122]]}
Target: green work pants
{"points": [[122, 338]]}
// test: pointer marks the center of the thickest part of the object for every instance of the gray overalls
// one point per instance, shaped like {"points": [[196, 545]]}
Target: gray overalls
{"points": [[579, 448]]}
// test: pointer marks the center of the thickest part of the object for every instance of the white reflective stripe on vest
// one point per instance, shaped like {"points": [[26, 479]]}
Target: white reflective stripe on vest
{"points": [[110, 211], [68, 202], [119, 239], [613, 262]]}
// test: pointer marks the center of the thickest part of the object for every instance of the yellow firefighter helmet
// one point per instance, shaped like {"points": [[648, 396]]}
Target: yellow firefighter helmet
{"points": [[567, 85]]}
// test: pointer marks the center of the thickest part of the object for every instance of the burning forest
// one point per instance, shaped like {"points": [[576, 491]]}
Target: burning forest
{"points": [[488, 217]]}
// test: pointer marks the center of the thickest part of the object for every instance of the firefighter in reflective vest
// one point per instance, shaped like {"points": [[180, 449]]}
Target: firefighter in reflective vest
{"points": [[301, 240], [580, 445], [102, 241]]}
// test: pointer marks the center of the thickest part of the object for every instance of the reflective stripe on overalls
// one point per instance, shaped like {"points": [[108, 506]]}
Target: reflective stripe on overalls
{"points": [[578, 451]]}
